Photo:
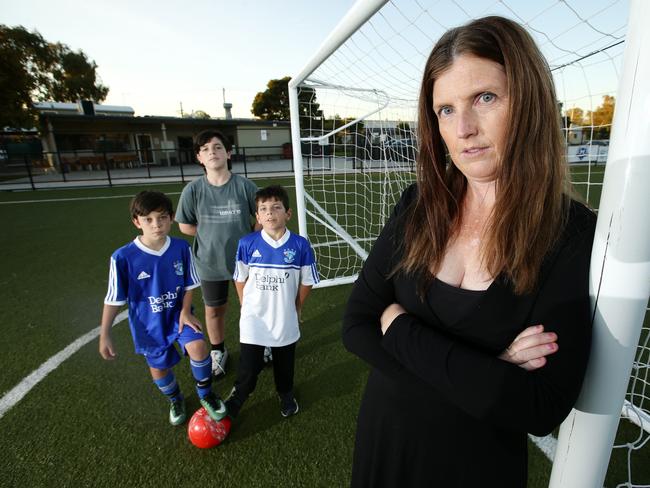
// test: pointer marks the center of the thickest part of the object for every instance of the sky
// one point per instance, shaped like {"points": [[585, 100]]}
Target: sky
{"points": [[155, 55]]}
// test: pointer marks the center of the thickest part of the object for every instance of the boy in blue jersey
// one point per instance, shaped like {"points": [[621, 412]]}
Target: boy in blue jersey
{"points": [[154, 274], [274, 272]]}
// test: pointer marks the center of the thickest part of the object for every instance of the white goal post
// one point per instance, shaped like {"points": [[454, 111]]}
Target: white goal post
{"points": [[358, 15], [353, 123], [620, 276]]}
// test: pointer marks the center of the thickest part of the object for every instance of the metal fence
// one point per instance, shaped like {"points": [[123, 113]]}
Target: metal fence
{"points": [[39, 170]]}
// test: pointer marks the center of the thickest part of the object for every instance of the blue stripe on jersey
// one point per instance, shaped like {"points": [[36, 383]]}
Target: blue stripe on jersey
{"points": [[314, 273], [273, 266]]}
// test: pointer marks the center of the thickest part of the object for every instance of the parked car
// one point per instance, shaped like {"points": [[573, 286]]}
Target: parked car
{"points": [[401, 149]]}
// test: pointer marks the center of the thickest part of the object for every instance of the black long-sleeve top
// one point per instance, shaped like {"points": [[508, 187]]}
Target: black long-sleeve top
{"points": [[440, 409]]}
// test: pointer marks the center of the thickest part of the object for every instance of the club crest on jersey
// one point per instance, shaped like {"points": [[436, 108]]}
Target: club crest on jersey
{"points": [[178, 267], [289, 255]]}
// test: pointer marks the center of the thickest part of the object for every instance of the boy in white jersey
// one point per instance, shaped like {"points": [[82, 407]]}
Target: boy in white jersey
{"points": [[274, 272], [154, 274]]}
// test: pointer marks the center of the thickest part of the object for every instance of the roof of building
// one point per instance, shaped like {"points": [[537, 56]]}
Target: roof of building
{"points": [[126, 115], [76, 108]]}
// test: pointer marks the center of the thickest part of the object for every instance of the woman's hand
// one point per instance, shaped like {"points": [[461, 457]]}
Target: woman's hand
{"points": [[391, 312], [529, 348]]}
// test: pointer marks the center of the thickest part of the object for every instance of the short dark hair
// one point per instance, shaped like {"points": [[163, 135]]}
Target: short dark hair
{"points": [[146, 202], [272, 192], [206, 136]]}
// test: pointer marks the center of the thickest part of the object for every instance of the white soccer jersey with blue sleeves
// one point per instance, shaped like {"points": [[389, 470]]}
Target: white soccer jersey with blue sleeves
{"points": [[153, 284], [273, 272]]}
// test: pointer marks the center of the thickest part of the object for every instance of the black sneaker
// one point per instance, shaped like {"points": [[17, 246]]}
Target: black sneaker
{"points": [[233, 404], [288, 405]]}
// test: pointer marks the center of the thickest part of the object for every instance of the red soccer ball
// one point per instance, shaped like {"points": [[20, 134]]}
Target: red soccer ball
{"points": [[205, 432]]}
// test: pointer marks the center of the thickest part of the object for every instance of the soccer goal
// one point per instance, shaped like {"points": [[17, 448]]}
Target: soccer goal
{"points": [[353, 122]]}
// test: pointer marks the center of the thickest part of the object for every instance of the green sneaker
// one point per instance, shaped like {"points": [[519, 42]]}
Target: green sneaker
{"points": [[214, 406], [177, 413]]}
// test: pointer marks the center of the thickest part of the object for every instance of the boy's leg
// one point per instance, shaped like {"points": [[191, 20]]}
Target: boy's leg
{"points": [[194, 344], [165, 380], [251, 362], [215, 321], [284, 359], [215, 298]]}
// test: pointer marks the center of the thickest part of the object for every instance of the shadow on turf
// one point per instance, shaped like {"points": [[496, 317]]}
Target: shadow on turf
{"points": [[316, 336], [259, 416], [327, 386]]}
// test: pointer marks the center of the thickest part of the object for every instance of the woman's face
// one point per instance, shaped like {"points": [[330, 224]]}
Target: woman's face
{"points": [[470, 100]]}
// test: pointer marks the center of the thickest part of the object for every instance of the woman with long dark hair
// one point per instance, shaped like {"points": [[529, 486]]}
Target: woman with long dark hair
{"points": [[473, 306]]}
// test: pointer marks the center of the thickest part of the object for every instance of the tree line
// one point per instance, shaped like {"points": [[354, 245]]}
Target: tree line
{"points": [[600, 119], [34, 69]]}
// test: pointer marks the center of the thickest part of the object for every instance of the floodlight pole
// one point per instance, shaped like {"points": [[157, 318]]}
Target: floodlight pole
{"points": [[620, 273]]}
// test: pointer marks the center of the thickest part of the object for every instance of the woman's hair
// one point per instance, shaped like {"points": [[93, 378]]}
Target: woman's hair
{"points": [[531, 186]]}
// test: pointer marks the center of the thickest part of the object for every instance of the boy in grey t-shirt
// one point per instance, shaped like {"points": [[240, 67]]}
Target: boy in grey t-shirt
{"points": [[216, 209]]}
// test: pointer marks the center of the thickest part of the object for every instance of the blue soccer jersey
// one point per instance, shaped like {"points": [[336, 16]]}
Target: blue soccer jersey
{"points": [[273, 272], [153, 284]]}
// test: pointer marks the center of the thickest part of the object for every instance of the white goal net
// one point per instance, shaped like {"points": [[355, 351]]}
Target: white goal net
{"points": [[354, 110]]}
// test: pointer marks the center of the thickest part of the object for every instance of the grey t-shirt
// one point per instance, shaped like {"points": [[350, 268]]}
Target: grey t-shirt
{"points": [[222, 215]]}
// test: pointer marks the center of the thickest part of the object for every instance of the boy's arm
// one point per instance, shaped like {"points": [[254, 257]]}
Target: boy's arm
{"points": [[106, 349], [187, 317], [186, 212], [239, 286], [303, 292], [187, 229], [252, 205], [240, 275]]}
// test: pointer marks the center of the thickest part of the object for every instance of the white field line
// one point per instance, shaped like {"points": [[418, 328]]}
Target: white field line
{"points": [[546, 444], [50, 200], [17, 393]]}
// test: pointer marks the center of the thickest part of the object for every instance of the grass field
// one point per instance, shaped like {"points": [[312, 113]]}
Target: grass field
{"points": [[96, 423]]}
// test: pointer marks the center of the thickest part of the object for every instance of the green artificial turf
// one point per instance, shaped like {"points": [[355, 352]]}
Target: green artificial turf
{"points": [[96, 423]]}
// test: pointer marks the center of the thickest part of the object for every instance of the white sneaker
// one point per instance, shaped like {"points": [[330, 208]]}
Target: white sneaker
{"points": [[268, 356], [219, 360]]}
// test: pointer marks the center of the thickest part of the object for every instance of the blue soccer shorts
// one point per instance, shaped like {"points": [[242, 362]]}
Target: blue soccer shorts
{"points": [[169, 357]]}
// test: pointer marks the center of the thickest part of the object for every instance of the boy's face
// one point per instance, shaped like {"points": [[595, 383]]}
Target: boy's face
{"points": [[155, 226], [213, 154], [272, 215]]}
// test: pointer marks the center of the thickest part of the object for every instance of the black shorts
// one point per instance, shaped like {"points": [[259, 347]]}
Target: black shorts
{"points": [[215, 293]]}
